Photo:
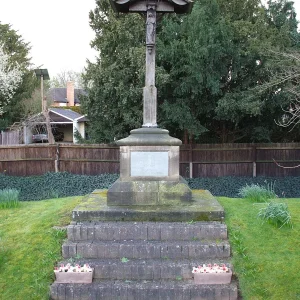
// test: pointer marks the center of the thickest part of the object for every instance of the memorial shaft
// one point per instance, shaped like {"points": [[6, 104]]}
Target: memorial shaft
{"points": [[149, 91]]}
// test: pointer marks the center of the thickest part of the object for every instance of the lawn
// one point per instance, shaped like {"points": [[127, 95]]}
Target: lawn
{"points": [[266, 259], [29, 246]]}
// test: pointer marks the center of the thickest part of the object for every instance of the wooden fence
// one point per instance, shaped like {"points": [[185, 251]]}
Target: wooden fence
{"points": [[10, 137], [201, 160]]}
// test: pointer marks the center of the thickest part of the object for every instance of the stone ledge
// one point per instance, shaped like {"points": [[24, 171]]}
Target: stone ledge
{"points": [[110, 231], [149, 137], [202, 207]]}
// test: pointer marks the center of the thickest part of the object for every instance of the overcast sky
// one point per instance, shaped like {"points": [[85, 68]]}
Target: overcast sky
{"points": [[57, 30]]}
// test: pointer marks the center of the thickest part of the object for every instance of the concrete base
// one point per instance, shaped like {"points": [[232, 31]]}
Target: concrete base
{"points": [[144, 193], [202, 207]]}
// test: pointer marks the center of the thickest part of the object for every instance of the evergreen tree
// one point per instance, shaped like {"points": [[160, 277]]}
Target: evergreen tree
{"points": [[208, 66], [196, 51], [114, 101]]}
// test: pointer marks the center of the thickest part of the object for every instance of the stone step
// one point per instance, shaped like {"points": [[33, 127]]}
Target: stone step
{"points": [[176, 231], [147, 249], [143, 290], [140, 269]]}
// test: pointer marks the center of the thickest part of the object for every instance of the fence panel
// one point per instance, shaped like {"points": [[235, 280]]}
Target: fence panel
{"points": [[27, 160], [10, 137], [201, 160], [284, 154], [89, 159]]}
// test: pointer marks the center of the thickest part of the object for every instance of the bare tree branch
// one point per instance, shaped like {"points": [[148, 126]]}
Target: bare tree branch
{"points": [[293, 167]]}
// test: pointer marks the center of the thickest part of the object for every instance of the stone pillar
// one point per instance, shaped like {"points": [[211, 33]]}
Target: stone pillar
{"points": [[149, 91]]}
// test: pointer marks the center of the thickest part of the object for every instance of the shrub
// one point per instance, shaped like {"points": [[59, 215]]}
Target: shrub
{"points": [[54, 185], [276, 214], [9, 198], [257, 193], [228, 186]]}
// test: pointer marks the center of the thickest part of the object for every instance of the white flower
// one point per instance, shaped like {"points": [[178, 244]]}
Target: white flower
{"points": [[215, 268], [77, 268]]}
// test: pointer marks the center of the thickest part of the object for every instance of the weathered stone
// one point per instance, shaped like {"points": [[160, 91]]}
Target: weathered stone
{"points": [[154, 231], [90, 233], [145, 290], [61, 292], [148, 230], [69, 292], [133, 193], [65, 250], [203, 207], [126, 250], [70, 234], [54, 292]]}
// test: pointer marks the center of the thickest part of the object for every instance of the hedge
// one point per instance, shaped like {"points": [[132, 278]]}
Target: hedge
{"points": [[55, 185]]}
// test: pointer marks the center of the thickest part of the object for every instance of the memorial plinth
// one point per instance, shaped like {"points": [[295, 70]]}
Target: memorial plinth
{"points": [[149, 171]]}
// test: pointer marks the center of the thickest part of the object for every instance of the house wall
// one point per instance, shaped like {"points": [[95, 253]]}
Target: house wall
{"points": [[58, 104], [27, 135], [81, 129]]}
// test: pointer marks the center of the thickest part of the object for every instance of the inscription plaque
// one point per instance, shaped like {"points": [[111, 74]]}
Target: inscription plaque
{"points": [[154, 164]]}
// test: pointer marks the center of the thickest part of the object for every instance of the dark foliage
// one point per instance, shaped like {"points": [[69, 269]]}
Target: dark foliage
{"points": [[54, 185], [229, 186]]}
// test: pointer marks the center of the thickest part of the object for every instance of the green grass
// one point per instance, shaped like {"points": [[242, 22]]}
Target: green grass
{"points": [[29, 247], [265, 258]]}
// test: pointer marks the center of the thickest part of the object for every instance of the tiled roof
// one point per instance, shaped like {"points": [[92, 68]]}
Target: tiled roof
{"points": [[68, 113], [60, 95]]}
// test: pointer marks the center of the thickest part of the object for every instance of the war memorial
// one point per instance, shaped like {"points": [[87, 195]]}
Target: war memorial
{"points": [[146, 233]]}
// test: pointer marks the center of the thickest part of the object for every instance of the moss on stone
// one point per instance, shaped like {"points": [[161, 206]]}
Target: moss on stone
{"points": [[203, 207]]}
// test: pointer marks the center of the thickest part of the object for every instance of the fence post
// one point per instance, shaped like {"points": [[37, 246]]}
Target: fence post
{"points": [[56, 161], [191, 160], [254, 158]]}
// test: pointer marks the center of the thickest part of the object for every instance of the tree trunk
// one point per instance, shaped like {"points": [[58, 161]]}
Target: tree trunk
{"points": [[186, 137], [48, 125]]}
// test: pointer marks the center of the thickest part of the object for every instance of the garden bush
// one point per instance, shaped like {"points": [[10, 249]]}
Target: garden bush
{"points": [[277, 214], [54, 185], [258, 193], [229, 186], [9, 198]]}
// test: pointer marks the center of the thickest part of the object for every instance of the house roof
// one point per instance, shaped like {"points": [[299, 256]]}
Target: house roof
{"points": [[60, 95], [68, 114], [59, 115]]}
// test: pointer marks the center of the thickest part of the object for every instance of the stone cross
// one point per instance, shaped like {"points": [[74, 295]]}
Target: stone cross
{"points": [[150, 8]]}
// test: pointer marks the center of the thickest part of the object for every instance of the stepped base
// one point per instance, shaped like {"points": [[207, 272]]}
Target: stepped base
{"points": [[143, 269], [147, 249], [203, 207], [143, 290]]}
